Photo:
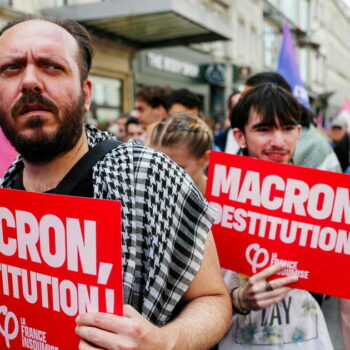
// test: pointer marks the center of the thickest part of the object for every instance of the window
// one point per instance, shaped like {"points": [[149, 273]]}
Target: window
{"points": [[253, 54], [274, 3], [106, 98], [289, 8], [304, 63], [271, 45], [304, 14], [241, 40]]}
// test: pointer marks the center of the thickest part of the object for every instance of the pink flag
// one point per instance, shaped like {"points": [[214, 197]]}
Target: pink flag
{"points": [[7, 154], [319, 120], [344, 113]]}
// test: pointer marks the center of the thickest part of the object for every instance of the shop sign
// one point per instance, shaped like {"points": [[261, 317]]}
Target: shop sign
{"points": [[172, 65], [214, 73]]}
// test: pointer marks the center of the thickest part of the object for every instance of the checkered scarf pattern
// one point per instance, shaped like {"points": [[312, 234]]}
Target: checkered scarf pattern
{"points": [[165, 221]]}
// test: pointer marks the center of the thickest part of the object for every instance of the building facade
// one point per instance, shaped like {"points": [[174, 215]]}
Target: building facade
{"points": [[320, 30], [208, 46], [330, 26]]}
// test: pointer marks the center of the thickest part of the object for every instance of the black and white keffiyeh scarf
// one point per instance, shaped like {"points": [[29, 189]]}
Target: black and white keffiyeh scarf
{"points": [[165, 221]]}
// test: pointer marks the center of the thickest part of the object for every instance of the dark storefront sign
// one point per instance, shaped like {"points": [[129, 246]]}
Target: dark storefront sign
{"points": [[214, 73], [176, 68], [172, 65]]}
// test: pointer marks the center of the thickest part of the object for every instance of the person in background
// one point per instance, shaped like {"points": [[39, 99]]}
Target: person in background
{"points": [[225, 140], [118, 127], [344, 315], [169, 257], [337, 130], [184, 100], [151, 105], [313, 149], [187, 140], [134, 130], [340, 140], [266, 125]]}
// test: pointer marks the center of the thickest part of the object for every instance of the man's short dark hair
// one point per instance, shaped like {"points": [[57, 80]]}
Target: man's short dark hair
{"points": [[155, 96], [186, 98], [268, 77], [277, 79], [79, 33], [131, 120], [271, 102]]}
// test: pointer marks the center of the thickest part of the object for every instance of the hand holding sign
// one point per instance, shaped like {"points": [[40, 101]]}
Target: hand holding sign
{"points": [[110, 332], [258, 294], [270, 213]]}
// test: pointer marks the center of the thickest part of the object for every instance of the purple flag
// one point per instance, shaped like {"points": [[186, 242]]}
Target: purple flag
{"points": [[288, 67], [7, 154]]}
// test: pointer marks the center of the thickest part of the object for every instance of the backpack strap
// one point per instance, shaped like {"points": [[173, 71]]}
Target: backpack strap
{"points": [[84, 165]]}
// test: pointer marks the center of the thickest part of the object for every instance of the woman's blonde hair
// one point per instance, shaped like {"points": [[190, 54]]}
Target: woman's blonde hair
{"points": [[183, 129]]}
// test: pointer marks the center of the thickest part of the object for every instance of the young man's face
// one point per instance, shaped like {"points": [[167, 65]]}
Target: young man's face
{"points": [[273, 143], [146, 114], [41, 92], [121, 125], [135, 132]]}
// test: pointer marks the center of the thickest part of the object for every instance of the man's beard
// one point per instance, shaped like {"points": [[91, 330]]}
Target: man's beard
{"points": [[43, 148]]}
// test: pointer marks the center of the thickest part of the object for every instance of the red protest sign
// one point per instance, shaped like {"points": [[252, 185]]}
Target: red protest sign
{"points": [[60, 256], [270, 212]]}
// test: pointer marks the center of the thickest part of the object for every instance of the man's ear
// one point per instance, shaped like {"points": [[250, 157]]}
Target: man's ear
{"points": [[299, 130], [161, 111], [87, 92], [204, 161], [239, 137]]}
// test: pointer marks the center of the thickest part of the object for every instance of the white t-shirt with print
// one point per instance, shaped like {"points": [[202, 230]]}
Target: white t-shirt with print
{"points": [[296, 322]]}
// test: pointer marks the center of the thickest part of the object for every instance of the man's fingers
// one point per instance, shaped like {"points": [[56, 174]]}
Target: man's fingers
{"points": [[84, 345], [263, 304], [266, 299], [270, 271], [96, 338], [269, 286], [281, 282], [276, 293], [110, 323]]}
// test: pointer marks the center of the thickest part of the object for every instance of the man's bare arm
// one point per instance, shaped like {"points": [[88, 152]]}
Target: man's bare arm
{"points": [[208, 312], [344, 315]]}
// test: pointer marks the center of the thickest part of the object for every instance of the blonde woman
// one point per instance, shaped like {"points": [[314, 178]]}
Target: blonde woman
{"points": [[187, 140]]}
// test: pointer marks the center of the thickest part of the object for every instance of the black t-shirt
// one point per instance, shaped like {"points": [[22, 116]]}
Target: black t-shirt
{"points": [[82, 189], [342, 150]]}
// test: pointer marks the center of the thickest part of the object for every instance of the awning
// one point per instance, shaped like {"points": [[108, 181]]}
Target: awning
{"points": [[149, 23]]}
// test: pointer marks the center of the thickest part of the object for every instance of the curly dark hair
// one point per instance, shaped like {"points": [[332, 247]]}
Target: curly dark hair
{"points": [[155, 96]]}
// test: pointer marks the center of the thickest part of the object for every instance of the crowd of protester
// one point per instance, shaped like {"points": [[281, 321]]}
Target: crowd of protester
{"points": [[173, 122]]}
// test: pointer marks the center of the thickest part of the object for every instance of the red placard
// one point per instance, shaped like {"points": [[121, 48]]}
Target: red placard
{"points": [[270, 212], [60, 256]]}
